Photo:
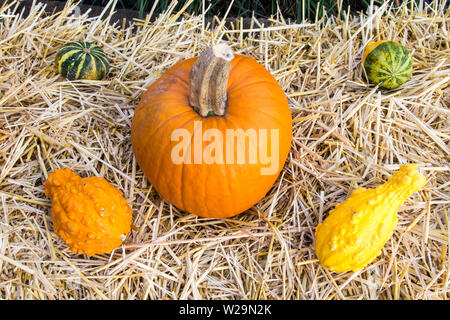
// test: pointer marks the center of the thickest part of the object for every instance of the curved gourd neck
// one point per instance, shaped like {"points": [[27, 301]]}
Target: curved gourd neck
{"points": [[404, 182]]}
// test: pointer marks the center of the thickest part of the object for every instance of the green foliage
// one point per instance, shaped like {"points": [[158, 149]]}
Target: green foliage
{"points": [[297, 10]]}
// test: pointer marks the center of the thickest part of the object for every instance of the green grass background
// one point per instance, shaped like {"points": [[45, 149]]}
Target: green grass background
{"points": [[296, 10]]}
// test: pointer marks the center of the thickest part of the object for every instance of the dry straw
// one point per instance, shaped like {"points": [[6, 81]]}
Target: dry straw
{"points": [[347, 134]]}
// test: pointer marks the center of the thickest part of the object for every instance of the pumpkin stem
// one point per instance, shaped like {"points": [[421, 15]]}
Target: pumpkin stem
{"points": [[208, 80]]}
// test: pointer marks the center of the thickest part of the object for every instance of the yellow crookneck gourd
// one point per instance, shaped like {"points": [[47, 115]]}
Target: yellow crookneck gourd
{"points": [[356, 229]]}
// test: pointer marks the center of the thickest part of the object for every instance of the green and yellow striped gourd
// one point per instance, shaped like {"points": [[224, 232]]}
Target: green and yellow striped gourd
{"points": [[387, 64], [82, 60]]}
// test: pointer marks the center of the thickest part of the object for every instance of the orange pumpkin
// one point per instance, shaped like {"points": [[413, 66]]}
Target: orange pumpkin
{"points": [[193, 133]]}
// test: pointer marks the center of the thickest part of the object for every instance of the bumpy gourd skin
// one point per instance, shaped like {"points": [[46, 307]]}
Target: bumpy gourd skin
{"points": [[356, 230], [89, 214]]}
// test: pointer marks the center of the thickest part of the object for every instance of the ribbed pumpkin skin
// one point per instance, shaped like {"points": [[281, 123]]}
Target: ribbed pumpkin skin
{"points": [[387, 64], [356, 229], [89, 214], [82, 60], [255, 101]]}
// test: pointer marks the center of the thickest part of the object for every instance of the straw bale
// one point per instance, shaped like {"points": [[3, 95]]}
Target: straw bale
{"points": [[347, 134]]}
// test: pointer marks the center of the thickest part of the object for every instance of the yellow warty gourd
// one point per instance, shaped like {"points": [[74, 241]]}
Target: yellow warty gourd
{"points": [[356, 229]]}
